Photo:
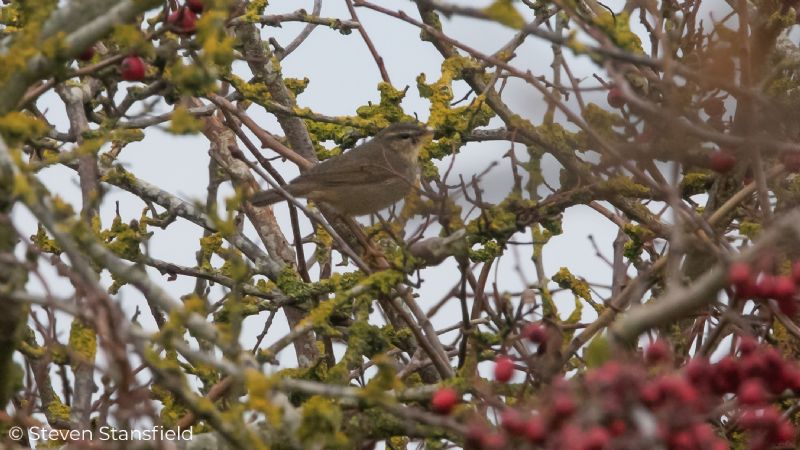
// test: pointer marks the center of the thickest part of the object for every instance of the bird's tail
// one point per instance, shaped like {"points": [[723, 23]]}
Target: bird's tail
{"points": [[265, 198]]}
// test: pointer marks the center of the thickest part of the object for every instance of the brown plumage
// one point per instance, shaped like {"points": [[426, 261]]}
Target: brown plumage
{"points": [[364, 180]]}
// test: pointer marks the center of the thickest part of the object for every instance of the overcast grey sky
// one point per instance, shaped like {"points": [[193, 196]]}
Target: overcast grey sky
{"points": [[343, 76]]}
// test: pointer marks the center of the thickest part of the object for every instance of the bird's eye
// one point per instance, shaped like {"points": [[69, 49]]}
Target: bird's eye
{"points": [[405, 136]]}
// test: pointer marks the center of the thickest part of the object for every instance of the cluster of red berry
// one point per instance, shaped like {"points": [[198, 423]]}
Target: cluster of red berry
{"points": [[647, 404], [757, 377], [780, 288], [724, 160], [184, 19], [504, 365], [181, 21]]}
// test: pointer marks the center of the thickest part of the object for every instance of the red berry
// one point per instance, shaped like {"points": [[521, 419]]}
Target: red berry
{"points": [[753, 366], [183, 20], [617, 427], [747, 290], [132, 68], [615, 98], [195, 5], [563, 406], [773, 360], [535, 333], [726, 376], [87, 54], [650, 394], [760, 419], [788, 307], [790, 377], [750, 419], [657, 352], [680, 441], [785, 432], [535, 430], [703, 434], [476, 432], [698, 371], [511, 421], [676, 388], [444, 400], [752, 392], [747, 345], [765, 286], [719, 444], [721, 161], [494, 441], [784, 288], [596, 439], [739, 274], [503, 369], [714, 107]]}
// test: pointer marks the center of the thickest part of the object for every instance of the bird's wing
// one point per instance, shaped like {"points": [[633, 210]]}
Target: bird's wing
{"points": [[338, 172]]}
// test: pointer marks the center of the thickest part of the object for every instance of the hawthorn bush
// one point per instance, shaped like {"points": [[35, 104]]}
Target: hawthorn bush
{"points": [[450, 320]]}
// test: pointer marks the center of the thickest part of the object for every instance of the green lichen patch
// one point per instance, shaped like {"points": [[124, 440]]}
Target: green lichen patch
{"points": [[117, 175], [243, 307], [255, 8], [387, 111], [602, 121], [122, 136], [499, 221], [295, 85], [290, 283], [625, 186], [184, 122], [488, 251], [82, 342], [694, 183], [125, 239], [190, 79], [750, 229], [366, 340], [129, 39], [369, 118], [58, 410], [216, 45], [255, 91], [617, 27], [172, 410], [18, 127], [45, 243], [503, 11], [451, 122], [321, 424], [259, 389], [566, 280], [638, 237], [383, 282]]}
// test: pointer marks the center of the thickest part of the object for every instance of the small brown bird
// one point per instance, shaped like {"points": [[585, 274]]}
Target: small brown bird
{"points": [[364, 180]]}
